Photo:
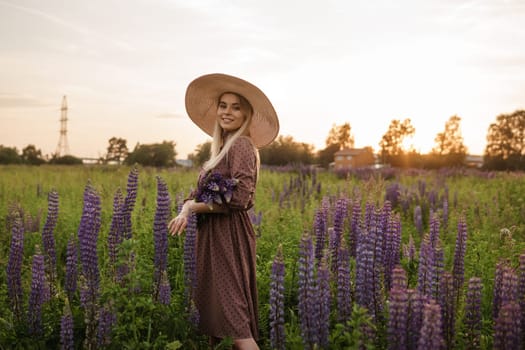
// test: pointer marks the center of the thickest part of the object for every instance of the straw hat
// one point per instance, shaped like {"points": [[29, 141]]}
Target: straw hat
{"points": [[202, 96]]}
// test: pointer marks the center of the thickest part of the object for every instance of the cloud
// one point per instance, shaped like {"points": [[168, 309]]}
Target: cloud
{"points": [[20, 101]]}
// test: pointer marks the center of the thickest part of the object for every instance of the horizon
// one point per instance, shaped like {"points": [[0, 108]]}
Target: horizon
{"points": [[365, 63]]}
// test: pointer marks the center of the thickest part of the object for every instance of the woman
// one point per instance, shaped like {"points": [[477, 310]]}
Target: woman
{"points": [[241, 119]]}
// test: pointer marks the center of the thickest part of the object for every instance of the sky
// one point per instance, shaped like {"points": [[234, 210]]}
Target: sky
{"points": [[124, 67]]}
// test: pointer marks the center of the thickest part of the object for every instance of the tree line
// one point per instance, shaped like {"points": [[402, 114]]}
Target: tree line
{"points": [[505, 148]]}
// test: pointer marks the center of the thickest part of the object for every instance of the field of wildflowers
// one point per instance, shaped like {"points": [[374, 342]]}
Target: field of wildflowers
{"points": [[390, 260]]}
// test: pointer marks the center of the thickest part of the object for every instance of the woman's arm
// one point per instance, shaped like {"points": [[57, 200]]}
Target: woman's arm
{"points": [[178, 224]]}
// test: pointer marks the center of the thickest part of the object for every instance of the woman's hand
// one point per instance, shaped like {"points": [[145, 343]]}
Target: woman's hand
{"points": [[177, 225]]}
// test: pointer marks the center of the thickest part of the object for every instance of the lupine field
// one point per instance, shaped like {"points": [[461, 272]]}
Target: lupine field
{"points": [[365, 260]]}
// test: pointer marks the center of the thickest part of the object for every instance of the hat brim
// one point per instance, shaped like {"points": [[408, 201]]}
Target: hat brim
{"points": [[202, 97]]}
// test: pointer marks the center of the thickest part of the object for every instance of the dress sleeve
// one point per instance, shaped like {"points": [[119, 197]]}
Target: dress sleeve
{"points": [[242, 161]]}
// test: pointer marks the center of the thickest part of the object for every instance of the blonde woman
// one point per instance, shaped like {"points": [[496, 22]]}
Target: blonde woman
{"points": [[241, 119]]}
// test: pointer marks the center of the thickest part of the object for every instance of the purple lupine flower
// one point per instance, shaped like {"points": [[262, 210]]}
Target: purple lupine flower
{"points": [[214, 188], [377, 236], [439, 267], [71, 267], [521, 291], [129, 202], [324, 302], [425, 264], [431, 337], [509, 286], [48, 240], [88, 236], [447, 302], [115, 235], [505, 287], [507, 328], [415, 317], [364, 271], [277, 332], [190, 255], [386, 216], [36, 298], [393, 193], [397, 332], [344, 293], [498, 278], [369, 213], [307, 293], [458, 270], [355, 227], [160, 233], [399, 278], [392, 247], [107, 318], [14, 268], [164, 296], [338, 228], [473, 314], [418, 219], [67, 341], [434, 230], [321, 228], [430, 268]]}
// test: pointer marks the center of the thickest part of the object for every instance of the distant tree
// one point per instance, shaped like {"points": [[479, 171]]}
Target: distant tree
{"points": [[284, 150], [117, 150], [202, 153], [450, 148], [505, 148], [65, 160], [340, 135], [157, 154], [326, 155], [32, 155], [9, 155], [391, 143]]}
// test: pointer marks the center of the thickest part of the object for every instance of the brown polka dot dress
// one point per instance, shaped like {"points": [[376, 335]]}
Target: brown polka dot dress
{"points": [[226, 293]]}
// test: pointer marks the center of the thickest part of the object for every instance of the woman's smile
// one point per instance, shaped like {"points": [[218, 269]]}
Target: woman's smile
{"points": [[231, 116]]}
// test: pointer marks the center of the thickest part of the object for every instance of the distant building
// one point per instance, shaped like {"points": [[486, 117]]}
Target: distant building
{"points": [[187, 163], [473, 161], [354, 158]]}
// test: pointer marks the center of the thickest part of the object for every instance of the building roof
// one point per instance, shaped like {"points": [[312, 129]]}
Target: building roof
{"points": [[349, 152]]}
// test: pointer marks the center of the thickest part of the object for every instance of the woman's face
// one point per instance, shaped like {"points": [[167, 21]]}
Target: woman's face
{"points": [[231, 116]]}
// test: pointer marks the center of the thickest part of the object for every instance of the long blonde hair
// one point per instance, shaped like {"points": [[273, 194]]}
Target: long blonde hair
{"points": [[217, 153]]}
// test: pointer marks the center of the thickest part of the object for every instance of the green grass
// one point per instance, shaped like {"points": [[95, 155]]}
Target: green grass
{"points": [[494, 208]]}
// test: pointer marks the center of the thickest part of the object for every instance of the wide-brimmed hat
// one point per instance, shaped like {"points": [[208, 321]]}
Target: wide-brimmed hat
{"points": [[202, 97]]}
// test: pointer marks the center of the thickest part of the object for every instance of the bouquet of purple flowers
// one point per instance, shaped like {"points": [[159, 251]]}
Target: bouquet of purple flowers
{"points": [[214, 188]]}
